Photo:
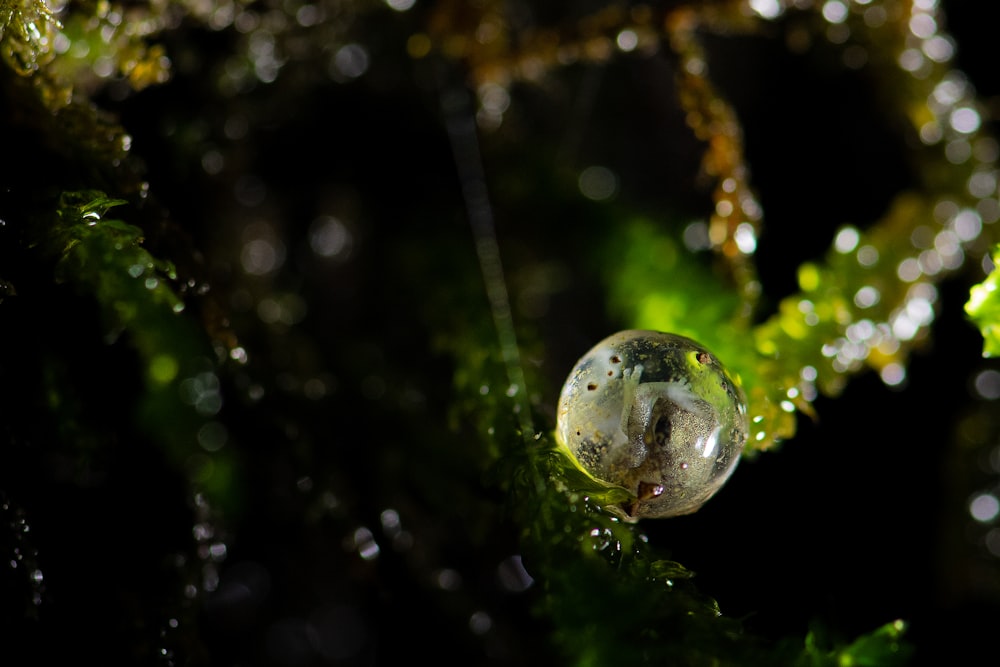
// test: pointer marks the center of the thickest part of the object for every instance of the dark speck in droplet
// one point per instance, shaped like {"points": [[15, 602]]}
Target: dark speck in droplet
{"points": [[591, 387], [611, 373], [703, 357], [616, 359], [649, 490]]}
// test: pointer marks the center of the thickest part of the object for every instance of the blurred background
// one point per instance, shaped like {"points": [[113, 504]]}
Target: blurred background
{"points": [[301, 177]]}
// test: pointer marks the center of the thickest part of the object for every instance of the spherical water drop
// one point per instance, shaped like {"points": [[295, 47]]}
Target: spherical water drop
{"points": [[658, 414]]}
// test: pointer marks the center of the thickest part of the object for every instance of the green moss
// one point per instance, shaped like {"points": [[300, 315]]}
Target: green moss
{"points": [[983, 307], [26, 31], [104, 258], [611, 596]]}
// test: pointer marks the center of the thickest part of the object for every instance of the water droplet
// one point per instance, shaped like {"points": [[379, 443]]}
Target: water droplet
{"points": [[666, 399]]}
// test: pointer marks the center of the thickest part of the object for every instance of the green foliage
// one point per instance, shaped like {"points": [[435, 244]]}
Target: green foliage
{"points": [[103, 37], [107, 258], [645, 293], [658, 284], [882, 648], [26, 31], [611, 596], [983, 307], [104, 258]]}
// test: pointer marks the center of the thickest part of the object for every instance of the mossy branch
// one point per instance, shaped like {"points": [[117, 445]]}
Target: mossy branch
{"points": [[104, 258]]}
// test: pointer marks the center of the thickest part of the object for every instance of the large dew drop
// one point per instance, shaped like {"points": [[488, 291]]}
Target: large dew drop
{"points": [[655, 413]]}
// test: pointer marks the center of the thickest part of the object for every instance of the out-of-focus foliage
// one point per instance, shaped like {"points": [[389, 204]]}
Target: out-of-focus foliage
{"points": [[983, 307], [27, 28], [104, 258]]}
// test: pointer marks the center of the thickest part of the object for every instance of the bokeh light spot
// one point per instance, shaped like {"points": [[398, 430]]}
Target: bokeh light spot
{"points": [[767, 9], [163, 368], [329, 237], [835, 11], [984, 507], [846, 240], [893, 374], [260, 257], [965, 120], [212, 436], [598, 183], [350, 61], [627, 40], [480, 623], [401, 5], [987, 384]]}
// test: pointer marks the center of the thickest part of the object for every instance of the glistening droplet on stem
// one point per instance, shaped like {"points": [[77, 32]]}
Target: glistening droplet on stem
{"points": [[657, 414]]}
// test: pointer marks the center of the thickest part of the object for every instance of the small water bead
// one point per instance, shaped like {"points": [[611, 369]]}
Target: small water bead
{"points": [[657, 414]]}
